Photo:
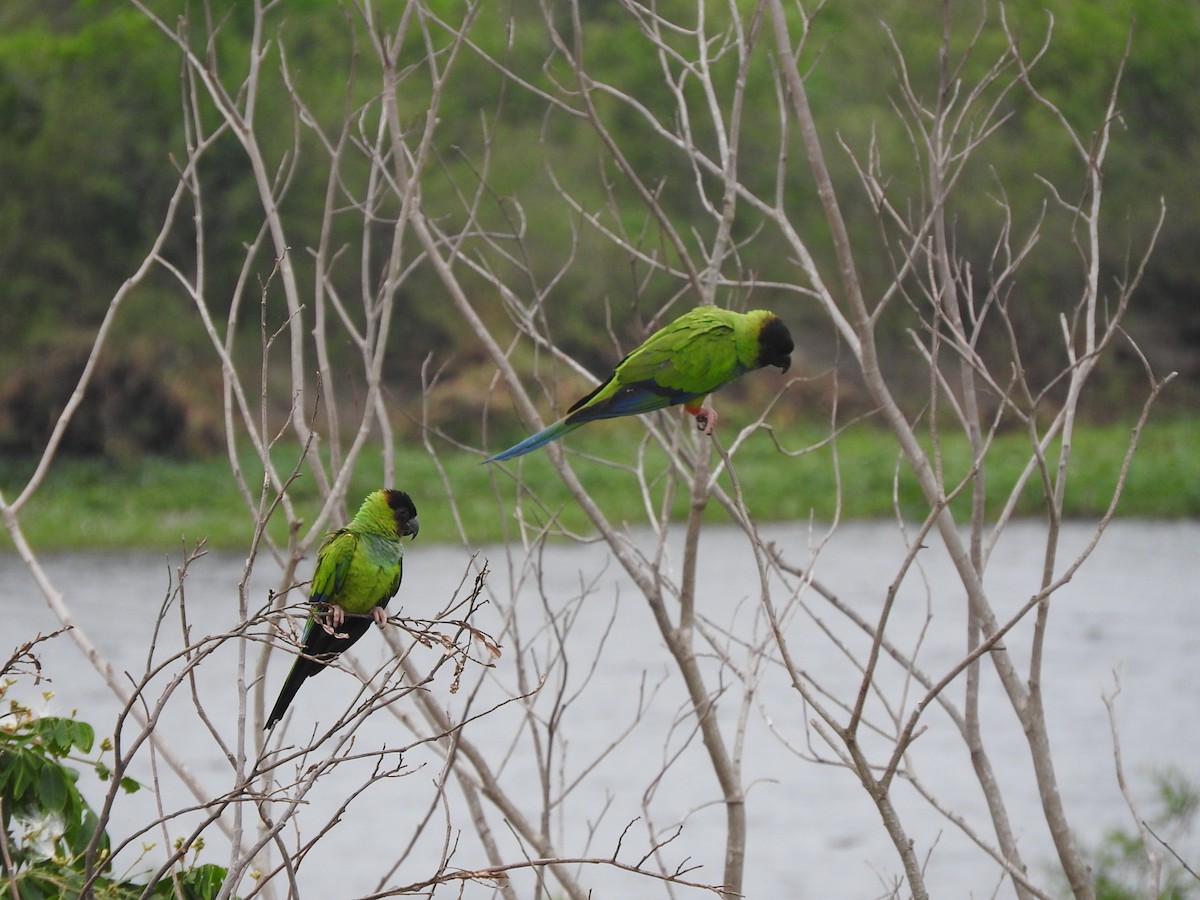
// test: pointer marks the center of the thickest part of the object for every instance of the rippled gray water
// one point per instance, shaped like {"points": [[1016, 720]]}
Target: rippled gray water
{"points": [[1132, 608]]}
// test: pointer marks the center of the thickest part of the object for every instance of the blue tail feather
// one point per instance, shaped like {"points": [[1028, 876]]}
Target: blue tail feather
{"points": [[633, 399], [543, 437], [629, 400]]}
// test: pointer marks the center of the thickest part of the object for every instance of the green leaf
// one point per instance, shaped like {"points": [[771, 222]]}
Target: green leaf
{"points": [[52, 788], [8, 763], [83, 735], [54, 734], [62, 736], [130, 785], [80, 835], [24, 772], [203, 882], [59, 735], [31, 889]]}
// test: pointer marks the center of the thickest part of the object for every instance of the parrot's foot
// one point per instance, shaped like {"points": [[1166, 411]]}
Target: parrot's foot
{"points": [[379, 614], [706, 417], [335, 616]]}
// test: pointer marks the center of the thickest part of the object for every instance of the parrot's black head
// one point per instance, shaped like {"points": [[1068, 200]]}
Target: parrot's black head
{"points": [[775, 344], [404, 511]]}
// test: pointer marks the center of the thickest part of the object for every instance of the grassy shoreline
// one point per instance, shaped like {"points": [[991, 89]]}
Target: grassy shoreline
{"points": [[157, 503]]}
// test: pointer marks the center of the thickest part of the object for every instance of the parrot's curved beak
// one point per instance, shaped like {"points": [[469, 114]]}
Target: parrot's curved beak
{"points": [[785, 365], [412, 526]]}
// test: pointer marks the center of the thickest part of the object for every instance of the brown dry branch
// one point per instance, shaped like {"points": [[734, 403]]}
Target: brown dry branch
{"points": [[382, 159]]}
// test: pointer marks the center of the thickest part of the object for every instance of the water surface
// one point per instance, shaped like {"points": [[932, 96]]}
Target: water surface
{"points": [[1131, 609]]}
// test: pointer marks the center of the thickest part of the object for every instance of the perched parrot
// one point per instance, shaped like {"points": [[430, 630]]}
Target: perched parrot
{"points": [[358, 571], [682, 362]]}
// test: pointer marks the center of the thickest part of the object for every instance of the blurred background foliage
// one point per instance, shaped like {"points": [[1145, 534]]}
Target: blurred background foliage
{"points": [[91, 130]]}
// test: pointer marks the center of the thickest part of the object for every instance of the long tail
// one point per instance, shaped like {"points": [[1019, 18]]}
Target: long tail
{"points": [[545, 436], [295, 678], [320, 649]]}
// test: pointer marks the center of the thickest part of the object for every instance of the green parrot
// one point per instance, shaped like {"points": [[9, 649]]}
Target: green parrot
{"points": [[358, 571], [701, 351]]}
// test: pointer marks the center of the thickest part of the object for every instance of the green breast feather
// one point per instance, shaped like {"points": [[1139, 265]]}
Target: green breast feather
{"points": [[357, 571]]}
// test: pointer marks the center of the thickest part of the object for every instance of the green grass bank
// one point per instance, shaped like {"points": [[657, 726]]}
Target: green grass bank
{"points": [[157, 503]]}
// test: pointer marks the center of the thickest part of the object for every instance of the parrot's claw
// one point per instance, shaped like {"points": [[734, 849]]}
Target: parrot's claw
{"points": [[379, 614], [706, 419], [336, 615]]}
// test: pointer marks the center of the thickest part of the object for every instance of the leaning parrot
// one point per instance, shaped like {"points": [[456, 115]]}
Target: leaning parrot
{"points": [[682, 362], [358, 571]]}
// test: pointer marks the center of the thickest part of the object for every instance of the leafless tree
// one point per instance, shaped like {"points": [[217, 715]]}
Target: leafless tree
{"points": [[514, 788], [968, 391]]}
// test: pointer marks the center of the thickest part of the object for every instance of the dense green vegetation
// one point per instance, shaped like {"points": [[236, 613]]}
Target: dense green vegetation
{"points": [[90, 102], [1122, 871], [94, 127], [159, 503], [55, 844]]}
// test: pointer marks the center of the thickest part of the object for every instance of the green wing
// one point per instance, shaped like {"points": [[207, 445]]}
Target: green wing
{"points": [[695, 355], [347, 574], [333, 565], [680, 363]]}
